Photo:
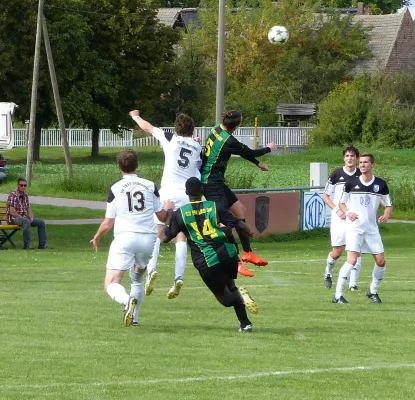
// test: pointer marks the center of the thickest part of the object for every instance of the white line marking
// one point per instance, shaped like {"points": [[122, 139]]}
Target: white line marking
{"points": [[324, 260], [136, 382]]}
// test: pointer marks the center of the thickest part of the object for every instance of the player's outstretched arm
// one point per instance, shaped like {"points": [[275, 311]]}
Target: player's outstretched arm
{"points": [[142, 123], [105, 226]]}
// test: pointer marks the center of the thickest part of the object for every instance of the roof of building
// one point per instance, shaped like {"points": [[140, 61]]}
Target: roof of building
{"points": [[307, 109], [178, 17], [382, 37], [168, 16]]}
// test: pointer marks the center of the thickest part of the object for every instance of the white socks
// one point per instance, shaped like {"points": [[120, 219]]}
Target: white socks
{"points": [[331, 262], [377, 276], [354, 274], [117, 292], [181, 258], [344, 275], [152, 264], [137, 291]]}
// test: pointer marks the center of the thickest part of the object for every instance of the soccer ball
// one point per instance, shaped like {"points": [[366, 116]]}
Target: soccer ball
{"points": [[278, 35]]}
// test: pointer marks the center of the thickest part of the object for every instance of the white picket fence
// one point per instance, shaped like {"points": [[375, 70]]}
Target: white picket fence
{"points": [[290, 137], [51, 137]]}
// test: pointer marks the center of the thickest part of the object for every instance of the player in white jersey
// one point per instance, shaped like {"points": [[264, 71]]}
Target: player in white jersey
{"points": [[360, 202], [132, 202], [331, 196], [182, 161]]}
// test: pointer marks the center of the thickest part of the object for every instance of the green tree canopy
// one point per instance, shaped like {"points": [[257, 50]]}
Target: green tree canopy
{"points": [[110, 56], [376, 110], [260, 75], [377, 6]]}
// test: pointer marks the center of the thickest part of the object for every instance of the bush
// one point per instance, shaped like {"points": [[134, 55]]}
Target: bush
{"points": [[375, 110]]}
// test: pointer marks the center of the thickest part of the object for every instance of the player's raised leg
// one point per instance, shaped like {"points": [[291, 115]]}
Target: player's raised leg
{"points": [[239, 210], [220, 280]]}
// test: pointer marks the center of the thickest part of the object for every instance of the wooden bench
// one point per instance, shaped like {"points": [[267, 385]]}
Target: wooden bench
{"points": [[6, 230]]}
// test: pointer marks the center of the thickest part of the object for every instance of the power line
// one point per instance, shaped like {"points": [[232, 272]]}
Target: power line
{"points": [[10, 38], [78, 10]]}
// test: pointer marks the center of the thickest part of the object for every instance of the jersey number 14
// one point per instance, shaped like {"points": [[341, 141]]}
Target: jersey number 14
{"points": [[207, 230]]}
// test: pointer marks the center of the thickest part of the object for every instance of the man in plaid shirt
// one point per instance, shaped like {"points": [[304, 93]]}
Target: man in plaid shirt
{"points": [[19, 213]]}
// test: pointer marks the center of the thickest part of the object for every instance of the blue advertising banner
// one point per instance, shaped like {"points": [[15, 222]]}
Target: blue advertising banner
{"points": [[315, 213]]}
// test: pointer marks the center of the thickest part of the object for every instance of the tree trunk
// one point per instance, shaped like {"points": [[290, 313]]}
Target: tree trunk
{"points": [[95, 141], [38, 134]]}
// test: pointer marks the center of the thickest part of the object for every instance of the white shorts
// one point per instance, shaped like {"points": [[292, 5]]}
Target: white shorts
{"points": [[338, 233], [129, 248], [180, 198], [364, 243]]}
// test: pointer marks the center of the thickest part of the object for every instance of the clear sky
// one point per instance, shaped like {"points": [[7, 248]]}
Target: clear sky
{"points": [[412, 8]]}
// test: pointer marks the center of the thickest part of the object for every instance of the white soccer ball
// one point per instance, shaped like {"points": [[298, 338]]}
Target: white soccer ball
{"points": [[278, 35]]}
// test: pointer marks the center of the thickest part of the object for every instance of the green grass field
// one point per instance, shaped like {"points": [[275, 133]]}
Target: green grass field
{"points": [[62, 338], [54, 212]]}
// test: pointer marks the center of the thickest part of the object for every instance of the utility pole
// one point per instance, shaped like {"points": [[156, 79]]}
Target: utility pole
{"points": [[57, 98], [220, 63], [33, 103]]}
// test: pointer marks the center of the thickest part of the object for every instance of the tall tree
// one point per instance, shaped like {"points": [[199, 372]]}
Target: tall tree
{"points": [[259, 75], [376, 6], [110, 56]]}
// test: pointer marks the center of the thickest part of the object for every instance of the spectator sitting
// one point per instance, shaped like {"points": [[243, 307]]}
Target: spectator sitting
{"points": [[19, 213]]}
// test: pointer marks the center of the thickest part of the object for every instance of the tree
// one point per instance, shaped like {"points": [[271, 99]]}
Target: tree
{"points": [[260, 75], [110, 56], [371, 109], [376, 6]]}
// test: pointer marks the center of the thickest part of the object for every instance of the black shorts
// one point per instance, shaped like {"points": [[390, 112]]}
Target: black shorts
{"points": [[220, 193], [220, 276]]}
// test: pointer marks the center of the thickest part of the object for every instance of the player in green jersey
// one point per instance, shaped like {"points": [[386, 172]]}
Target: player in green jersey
{"points": [[219, 147], [213, 249]]}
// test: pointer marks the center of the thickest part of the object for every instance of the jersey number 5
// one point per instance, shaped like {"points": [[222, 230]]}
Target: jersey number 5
{"points": [[184, 160], [208, 147], [138, 198]]}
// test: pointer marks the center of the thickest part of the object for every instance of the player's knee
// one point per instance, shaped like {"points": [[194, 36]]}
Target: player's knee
{"points": [[229, 299], [381, 263], [226, 301]]}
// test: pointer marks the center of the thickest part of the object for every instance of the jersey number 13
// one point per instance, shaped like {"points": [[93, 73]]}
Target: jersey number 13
{"points": [[136, 201]]}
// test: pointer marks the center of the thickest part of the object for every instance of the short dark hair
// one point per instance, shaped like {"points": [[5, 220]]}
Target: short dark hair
{"points": [[231, 119], [128, 161], [370, 156], [194, 187], [351, 149], [21, 180], [184, 125]]}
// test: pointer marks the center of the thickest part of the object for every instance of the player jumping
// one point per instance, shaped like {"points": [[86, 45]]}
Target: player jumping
{"points": [[219, 147], [182, 161]]}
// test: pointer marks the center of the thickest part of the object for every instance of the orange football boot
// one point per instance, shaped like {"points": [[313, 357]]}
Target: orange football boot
{"points": [[243, 270], [252, 258]]}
